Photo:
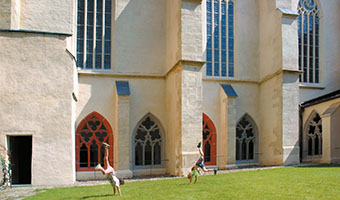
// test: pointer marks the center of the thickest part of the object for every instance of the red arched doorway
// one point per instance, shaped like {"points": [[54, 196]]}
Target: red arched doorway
{"points": [[91, 133], [209, 141]]}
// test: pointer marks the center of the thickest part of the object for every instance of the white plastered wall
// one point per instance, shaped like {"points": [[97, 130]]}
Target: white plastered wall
{"points": [[140, 32], [97, 93], [36, 95]]}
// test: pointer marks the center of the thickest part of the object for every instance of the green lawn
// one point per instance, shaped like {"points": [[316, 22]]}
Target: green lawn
{"points": [[322, 182]]}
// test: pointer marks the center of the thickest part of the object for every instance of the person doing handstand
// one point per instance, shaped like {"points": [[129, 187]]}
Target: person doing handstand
{"points": [[194, 173], [110, 172], [200, 160]]}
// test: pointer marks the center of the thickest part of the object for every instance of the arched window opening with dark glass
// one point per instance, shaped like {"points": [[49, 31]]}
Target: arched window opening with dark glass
{"points": [[91, 133], [147, 143], [314, 135], [209, 141], [246, 136]]}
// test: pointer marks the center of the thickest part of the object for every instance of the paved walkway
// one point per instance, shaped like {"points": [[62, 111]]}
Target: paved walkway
{"points": [[22, 191]]}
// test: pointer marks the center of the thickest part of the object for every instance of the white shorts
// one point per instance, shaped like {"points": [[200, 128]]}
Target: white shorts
{"points": [[113, 179]]}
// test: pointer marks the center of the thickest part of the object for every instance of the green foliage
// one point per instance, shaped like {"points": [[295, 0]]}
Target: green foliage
{"points": [[5, 168], [281, 183]]}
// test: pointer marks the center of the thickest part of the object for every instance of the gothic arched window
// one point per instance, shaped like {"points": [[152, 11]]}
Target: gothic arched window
{"points": [[209, 141], [313, 134], [309, 44], [220, 38], [91, 133], [148, 142], [246, 136]]}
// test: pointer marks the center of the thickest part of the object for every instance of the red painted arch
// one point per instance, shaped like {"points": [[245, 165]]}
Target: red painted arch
{"points": [[88, 130], [209, 138]]}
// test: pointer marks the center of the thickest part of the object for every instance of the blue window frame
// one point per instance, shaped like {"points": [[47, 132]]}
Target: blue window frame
{"points": [[220, 38], [308, 40], [94, 34]]}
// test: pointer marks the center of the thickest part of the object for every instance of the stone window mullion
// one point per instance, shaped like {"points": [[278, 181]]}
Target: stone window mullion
{"points": [[240, 148], [247, 149], [143, 154]]}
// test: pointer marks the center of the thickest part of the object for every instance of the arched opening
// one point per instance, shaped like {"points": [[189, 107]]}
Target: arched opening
{"points": [[91, 133], [246, 140], [209, 141], [148, 143], [313, 135]]}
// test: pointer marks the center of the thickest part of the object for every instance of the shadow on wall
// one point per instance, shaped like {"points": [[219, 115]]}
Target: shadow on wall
{"points": [[294, 155], [101, 98], [140, 36]]}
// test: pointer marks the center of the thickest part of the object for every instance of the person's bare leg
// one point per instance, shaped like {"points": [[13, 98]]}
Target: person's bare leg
{"points": [[207, 170], [108, 168], [106, 158], [114, 190], [120, 194], [201, 152]]}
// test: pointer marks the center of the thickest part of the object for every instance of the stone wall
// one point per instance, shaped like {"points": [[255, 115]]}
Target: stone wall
{"points": [[36, 99], [5, 14], [173, 33], [48, 15], [173, 92]]}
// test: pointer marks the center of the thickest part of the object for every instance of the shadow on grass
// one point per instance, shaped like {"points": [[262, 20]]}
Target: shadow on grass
{"points": [[319, 165], [97, 196]]}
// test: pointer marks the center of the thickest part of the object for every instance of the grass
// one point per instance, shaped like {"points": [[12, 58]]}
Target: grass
{"points": [[321, 182]]}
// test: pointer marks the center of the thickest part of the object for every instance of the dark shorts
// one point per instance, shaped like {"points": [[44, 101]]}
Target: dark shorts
{"points": [[200, 164]]}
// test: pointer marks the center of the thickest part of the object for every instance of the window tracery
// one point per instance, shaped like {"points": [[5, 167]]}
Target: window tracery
{"points": [[245, 139], [308, 35], [94, 34], [148, 143], [91, 133], [314, 135], [209, 141], [220, 38]]}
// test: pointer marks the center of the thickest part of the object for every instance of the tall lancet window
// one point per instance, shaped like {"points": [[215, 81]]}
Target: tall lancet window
{"points": [[308, 30], [220, 38], [94, 34]]}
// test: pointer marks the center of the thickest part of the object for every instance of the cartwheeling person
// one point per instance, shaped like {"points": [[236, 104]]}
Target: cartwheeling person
{"points": [[200, 161], [110, 172], [194, 173]]}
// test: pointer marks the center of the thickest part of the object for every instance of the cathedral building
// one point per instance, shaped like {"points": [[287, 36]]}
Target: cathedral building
{"points": [[256, 81]]}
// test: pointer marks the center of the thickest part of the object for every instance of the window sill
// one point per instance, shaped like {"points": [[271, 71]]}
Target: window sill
{"points": [[110, 73], [94, 70], [312, 86], [227, 79], [148, 172]]}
